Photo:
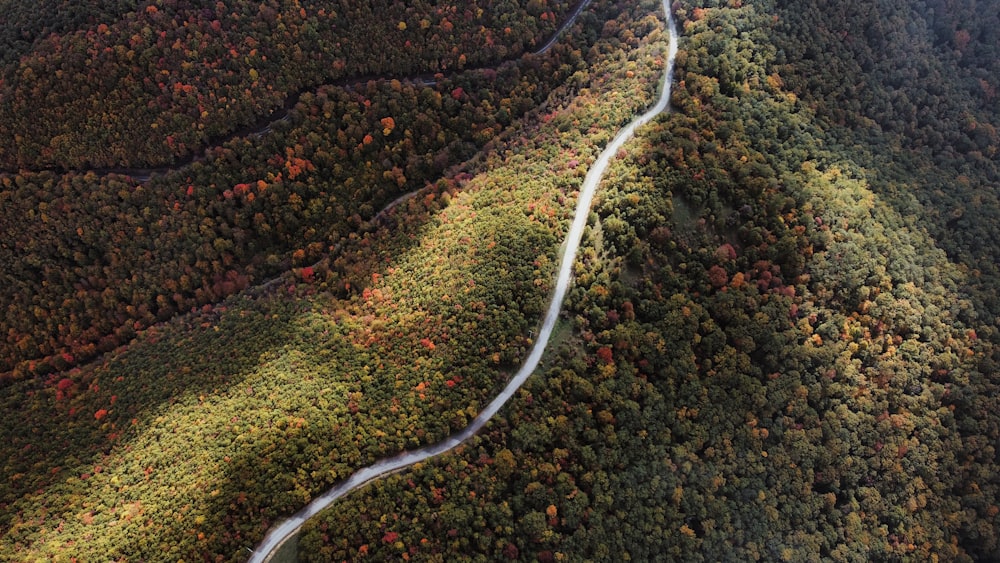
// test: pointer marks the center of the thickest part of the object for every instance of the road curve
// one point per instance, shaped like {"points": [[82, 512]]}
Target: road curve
{"points": [[280, 533]]}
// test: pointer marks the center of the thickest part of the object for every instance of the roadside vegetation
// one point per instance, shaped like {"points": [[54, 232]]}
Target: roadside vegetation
{"points": [[781, 340], [773, 360]]}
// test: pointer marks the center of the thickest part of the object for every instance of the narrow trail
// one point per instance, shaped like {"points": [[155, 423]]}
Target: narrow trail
{"points": [[280, 533]]}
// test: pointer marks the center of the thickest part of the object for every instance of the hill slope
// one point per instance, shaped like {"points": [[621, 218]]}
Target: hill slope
{"points": [[773, 357], [781, 342]]}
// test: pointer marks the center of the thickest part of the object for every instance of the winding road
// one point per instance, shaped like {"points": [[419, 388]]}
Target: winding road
{"points": [[280, 533]]}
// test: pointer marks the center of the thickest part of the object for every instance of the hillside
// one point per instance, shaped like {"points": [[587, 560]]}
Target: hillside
{"points": [[79, 267], [781, 347], [780, 343]]}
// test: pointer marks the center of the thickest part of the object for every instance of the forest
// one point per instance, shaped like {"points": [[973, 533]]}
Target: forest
{"points": [[780, 344], [252, 208]]}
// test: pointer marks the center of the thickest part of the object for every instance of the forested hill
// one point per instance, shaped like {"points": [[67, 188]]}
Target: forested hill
{"points": [[784, 339], [781, 343], [87, 281], [121, 84], [916, 85]]}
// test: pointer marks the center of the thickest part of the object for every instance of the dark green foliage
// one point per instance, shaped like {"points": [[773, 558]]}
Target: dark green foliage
{"points": [[158, 83], [780, 343], [191, 439], [90, 259], [23, 24], [769, 362]]}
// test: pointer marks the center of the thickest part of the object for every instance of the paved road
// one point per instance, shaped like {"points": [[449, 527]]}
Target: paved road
{"points": [[280, 533]]}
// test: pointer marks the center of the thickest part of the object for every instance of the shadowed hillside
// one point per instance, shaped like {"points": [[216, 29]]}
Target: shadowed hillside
{"points": [[781, 342]]}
